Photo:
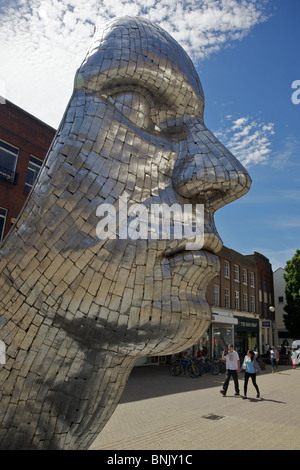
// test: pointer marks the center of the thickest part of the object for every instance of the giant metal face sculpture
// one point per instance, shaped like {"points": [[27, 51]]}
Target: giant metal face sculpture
{"points": [[78, 308]]}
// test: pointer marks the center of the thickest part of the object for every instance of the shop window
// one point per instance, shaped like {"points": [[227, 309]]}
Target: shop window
{"points": [[8, 162], [3, 214], [220, 335], [33, 169]]}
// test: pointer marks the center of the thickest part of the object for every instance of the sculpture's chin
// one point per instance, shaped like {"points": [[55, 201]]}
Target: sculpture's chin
{"points": [[174, 313], [168, 330]]}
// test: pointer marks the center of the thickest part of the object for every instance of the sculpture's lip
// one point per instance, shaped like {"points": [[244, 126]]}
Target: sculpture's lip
{"points": [[196, 256], [205, 257], [212, 244], [205, 261]]}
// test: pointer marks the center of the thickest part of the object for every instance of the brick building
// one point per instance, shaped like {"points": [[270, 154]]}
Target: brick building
{"points": [[24, 141], [233, 299], [240, 298], [265, 293]]}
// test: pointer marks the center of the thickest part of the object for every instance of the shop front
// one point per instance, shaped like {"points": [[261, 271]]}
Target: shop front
{"points": [[221, 331], [246, 335]]}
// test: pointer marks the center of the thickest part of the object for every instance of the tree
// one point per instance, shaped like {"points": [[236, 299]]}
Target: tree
{"points": [[292, 292]]}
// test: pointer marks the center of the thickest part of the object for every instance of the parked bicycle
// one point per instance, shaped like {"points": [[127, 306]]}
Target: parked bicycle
{"points": [[208, 365], [222, 365], [182, 365]]}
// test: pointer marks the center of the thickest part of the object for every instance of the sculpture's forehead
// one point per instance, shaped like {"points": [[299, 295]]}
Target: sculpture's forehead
{"points": [[134, 51]]}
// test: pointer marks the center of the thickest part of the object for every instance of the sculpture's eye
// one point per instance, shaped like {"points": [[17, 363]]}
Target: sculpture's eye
{"points": [[146, 112], [134, 107]]}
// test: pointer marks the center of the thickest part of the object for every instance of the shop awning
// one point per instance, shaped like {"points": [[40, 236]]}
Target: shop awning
{"points": [[219, 317]]}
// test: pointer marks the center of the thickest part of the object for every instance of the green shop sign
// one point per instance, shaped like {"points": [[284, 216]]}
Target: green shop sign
{"points": [[247, 324]]}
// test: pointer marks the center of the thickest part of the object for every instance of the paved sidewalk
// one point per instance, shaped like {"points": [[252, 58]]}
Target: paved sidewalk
{"points": [[161, 412]]}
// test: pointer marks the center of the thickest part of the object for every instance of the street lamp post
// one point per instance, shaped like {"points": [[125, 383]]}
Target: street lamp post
{"points": [[272, 311]]}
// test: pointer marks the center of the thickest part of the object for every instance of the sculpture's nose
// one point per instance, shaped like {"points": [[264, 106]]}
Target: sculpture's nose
{"points": [[207, 171]]}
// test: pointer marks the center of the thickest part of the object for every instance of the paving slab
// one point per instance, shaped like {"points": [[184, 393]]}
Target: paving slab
{"points": [[161, 412]]}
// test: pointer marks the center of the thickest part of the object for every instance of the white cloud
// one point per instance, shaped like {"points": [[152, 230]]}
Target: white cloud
{"points": [[287, 153], [44, 41], [294, 222], [249, 140]]}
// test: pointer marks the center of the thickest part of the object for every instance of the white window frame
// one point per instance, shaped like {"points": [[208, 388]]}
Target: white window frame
{"points": [[14, 152], [32, 162], [236, 300], [216, 295], [252, 304], [3, 216], [227, 297], [227, 269], [245, 302], [236, 271]]}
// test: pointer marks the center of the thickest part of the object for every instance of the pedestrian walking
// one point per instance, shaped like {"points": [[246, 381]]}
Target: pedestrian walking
{"points": [[274, 356], [294, 358], [232, 369], [251, 368]]}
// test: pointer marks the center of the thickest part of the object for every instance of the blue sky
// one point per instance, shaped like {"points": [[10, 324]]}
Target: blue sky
{"points": [[247, 55]]}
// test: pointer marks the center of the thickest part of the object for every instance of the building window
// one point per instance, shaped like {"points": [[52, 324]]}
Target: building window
{"points": [[280, 299], [227, 269], [33, 169], [3, 214], [236, 300], [245, 277], [245, 302], [252, 281], [8, 161], [236, 273], [227, 298], [216, 295], [252, 304]]}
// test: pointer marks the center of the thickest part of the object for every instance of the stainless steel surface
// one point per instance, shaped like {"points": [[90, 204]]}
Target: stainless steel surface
{"points": [[77, 311]]}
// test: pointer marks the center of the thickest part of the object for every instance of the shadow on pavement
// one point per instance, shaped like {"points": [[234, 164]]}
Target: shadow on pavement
{"points": [[155, 381]]}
